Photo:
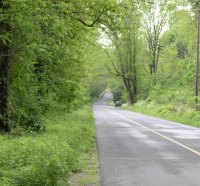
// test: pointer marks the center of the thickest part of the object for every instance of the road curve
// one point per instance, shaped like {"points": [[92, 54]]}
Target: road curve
{"points": [[140, 150]]}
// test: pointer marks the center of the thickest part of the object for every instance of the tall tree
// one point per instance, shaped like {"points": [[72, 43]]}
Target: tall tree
{"points": [[124, 37], [42, 62], [4, 67], [155, 18]]}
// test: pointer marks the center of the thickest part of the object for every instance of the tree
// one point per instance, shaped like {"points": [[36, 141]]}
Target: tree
{"points": [[155, 18], [124, 37], [43, 60], [4, 66]]}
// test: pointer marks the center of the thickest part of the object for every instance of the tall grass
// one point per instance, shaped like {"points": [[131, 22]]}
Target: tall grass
{"points": [[172, 112], [49, 157]]}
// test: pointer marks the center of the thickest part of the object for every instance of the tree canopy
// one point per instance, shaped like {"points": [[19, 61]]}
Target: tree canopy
{"points": [[51, 57]]}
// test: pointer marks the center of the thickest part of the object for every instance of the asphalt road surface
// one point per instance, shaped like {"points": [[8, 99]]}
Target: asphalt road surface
{"points": [[139, 150]]}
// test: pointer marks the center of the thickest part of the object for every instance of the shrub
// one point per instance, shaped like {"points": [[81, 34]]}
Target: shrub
{"points": [[49, 157]]}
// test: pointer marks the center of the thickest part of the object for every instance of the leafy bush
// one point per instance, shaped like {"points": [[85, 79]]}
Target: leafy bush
{"points": [[36, 161], [47, 158], [175, 111]]}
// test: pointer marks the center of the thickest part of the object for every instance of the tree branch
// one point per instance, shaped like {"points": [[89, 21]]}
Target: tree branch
{"points": [[94, 22], [115, 68]]}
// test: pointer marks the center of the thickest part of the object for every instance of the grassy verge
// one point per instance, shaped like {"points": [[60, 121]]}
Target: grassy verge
{"points": [[179, 114], [89, 175], [50, 157]]}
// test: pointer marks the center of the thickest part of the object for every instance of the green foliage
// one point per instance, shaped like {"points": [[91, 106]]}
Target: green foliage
{"points": [[181, 114], [48, 158], [173, 93], [172, 52], [98, 78], [48, 58], [25, 109], [57, 63], [97, 86], [117, 93]]}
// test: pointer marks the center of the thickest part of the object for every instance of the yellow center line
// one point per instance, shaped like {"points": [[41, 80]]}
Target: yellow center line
{"points": [[161, 135]]}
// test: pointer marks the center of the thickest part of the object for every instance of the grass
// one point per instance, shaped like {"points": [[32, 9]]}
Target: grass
{"points": [[179, 114], [89, 174], [50, 157]]}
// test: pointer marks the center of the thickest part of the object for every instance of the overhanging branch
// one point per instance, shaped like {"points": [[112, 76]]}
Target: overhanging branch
{"points": [[94, 22]]}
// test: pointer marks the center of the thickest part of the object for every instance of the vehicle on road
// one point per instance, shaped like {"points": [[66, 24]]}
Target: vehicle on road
{"points": [[118, 104]]}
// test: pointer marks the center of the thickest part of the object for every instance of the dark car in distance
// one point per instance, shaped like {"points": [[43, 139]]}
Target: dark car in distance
{"points": [[118, 104]]}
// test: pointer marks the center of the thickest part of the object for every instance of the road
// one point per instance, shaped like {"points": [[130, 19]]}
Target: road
{"points": [[140, 150]]}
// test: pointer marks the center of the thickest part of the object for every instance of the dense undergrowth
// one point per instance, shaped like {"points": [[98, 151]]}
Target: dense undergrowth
{"points": [[49, 157], [171, 104]]}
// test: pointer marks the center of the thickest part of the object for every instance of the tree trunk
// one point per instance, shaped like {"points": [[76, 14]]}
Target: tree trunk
{"points": [[130, 90], [4, 69], [134, 69]]}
